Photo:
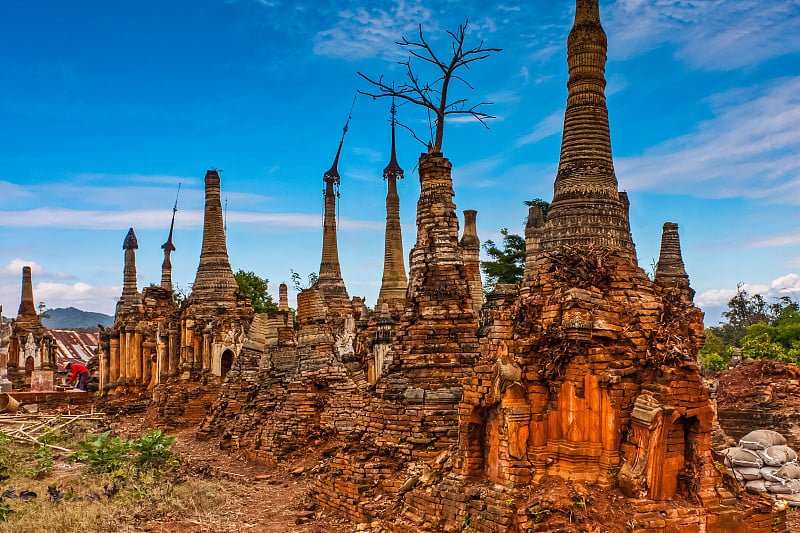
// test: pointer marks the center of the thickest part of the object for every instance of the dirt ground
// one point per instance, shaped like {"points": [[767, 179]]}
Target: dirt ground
{"points": [[258, 499], [250, 497]]}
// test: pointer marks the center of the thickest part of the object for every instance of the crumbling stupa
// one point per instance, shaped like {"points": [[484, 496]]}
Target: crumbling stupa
{"points": [[31, 350], [177, 356], [585, 374]]}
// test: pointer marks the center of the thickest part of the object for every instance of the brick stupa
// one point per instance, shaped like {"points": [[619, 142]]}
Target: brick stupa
{"points": [[394, 282], [330, 280]]}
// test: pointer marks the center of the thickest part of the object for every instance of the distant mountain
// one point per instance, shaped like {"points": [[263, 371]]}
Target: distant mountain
{"points": [[71, 318]]}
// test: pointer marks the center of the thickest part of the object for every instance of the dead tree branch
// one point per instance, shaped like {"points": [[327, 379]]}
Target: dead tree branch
{"points": [[433, 96]]}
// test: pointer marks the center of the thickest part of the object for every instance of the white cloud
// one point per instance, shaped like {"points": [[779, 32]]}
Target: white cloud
{"points": [[14, 268], [9, 191], [81, 295], [77, 294], [788, 285], [706, 34], [747, 149], [368, 154], [469, 119], [476, 173], [80, 191], [369, 32], [158, 219], [160, 179], [13, 271], [713, 297], [547, 127]]}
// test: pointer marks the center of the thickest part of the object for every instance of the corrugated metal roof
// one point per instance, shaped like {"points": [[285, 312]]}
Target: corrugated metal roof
{"points": [[74, 346]]}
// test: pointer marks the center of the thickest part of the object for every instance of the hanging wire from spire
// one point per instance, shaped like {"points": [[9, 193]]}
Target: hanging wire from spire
{"points": [[337, 183], [175, 207], [169, 245]]}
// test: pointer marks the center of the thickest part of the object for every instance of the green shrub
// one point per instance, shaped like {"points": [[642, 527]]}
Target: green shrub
{"points": [[153, 449], [102, 453]]}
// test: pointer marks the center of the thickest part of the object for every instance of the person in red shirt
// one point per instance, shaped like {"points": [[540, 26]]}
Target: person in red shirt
{"points": [[81, 372]]}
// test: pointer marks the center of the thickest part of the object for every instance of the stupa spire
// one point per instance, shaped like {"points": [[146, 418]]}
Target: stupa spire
{"points": [[283, 297], [27, 307], [214, 278], [670, 271], [330, 272], [129, 285], [131, 298], [471, 249], [395, 282], [586, 207], [168, 247]]}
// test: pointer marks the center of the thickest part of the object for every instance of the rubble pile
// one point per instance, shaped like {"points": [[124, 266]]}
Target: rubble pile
{"points": [[760, 394], [288, 387]]}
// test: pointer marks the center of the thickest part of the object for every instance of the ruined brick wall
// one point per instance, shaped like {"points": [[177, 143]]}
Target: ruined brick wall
{"points": [[289, 387]]}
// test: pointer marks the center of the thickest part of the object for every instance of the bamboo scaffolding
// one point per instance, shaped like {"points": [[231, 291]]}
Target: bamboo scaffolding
{"points": [[30, 428]]}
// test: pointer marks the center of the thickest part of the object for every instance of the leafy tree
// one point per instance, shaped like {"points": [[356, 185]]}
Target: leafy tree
{"points": [[255, 288], [507, 264], [761, 346], [715, 354], [541, 204], [743, 311], [780, 338]]}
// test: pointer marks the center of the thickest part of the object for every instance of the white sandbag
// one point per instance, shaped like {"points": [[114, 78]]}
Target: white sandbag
{"points": [[789, 487], [748, 473], [777, 455], [770, 473], [761, 439], [742, 457], [790, 471], [756, 486]]}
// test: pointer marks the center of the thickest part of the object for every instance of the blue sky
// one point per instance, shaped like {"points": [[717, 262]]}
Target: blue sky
{"points": [[106, 106]]}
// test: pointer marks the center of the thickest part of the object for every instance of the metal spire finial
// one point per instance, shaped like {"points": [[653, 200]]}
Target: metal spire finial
{"points": [[168, 244], [393, 169], [333, 174]]}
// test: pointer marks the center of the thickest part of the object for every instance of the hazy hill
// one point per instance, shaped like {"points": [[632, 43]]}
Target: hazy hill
{"points": [[71, 318]]}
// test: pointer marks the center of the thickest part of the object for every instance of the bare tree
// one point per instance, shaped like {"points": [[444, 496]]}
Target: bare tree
{"points": [[433, 95]]}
